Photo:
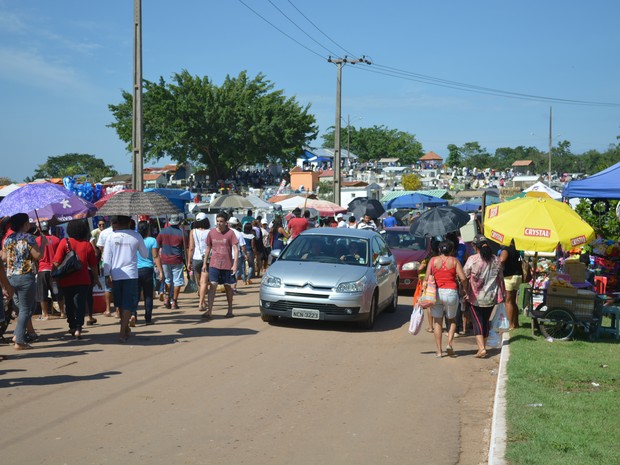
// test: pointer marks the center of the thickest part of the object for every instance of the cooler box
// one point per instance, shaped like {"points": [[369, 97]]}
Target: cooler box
{"points": [[99, 297]]}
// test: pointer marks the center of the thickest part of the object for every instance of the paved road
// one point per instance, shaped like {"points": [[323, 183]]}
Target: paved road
{"points": [[240, 391]]}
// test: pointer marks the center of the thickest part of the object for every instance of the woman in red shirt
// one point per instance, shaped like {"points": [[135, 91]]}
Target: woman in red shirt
{"points": [[75, 286], [446, 269]]}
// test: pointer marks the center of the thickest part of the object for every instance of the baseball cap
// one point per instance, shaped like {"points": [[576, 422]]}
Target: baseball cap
{"points": [[175, 219], [233, 220], [339, 215], [201, 216], [264, 221], [478, 240], [44, 226]]}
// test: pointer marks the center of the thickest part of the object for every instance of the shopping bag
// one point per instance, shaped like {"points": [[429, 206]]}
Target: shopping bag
{"points": [[500, 322], [418, 292], [417, 318], [429, 295]]}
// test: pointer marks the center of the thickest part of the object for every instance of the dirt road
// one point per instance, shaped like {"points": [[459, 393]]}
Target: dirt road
{"points": [[240, 391]]}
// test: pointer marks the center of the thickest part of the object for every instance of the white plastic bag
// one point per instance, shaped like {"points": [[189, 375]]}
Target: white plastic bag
{"points": [[417, 318], [494, 341], [500, 322]]}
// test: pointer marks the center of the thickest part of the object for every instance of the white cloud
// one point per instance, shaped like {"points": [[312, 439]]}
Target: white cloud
{"points": [[11, 23], [30, 68]]}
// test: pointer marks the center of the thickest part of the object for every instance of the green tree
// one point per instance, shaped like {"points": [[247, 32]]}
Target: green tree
{"points": [[412, 182], [454, 156], [604, 223], [72, 164], [4, 181], [243, 121], [378, 142]]}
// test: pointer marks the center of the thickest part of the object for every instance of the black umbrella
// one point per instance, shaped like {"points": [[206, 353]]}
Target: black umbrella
{"points": [[370, 207], [439, 221]]}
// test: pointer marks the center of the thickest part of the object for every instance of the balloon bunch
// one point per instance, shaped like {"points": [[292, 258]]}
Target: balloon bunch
{"points": [[86, 190]]}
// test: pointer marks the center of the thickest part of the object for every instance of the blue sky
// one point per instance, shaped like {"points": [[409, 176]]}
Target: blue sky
{"points": [[63, 62]]}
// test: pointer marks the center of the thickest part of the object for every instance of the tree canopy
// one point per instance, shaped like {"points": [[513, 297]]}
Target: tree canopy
{"points": [[243, 121], [377, 142], [71, 164]]}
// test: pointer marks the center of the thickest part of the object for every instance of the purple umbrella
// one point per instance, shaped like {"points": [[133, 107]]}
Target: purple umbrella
{"points": [[46, 202]]}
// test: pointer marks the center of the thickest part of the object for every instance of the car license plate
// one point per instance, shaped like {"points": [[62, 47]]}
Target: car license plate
{"points": [[306, 314]]}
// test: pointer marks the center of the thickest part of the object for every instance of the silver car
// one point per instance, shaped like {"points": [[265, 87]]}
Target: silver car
{"points": [[334, 274]]}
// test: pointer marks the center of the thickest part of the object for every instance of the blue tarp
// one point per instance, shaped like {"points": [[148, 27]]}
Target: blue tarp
{"points": [[178, 197], [602, 185]]}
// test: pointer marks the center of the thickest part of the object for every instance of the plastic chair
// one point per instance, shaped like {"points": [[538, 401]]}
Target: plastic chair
{"points": [[614, 329], [600, 284]]}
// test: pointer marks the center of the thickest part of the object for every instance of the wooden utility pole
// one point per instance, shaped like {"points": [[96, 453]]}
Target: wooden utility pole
{"points": [[136, 137], [337, 155], [550, 144]]}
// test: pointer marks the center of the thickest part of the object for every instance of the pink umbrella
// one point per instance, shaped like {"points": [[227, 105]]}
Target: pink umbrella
{"points": [[324, 207]]}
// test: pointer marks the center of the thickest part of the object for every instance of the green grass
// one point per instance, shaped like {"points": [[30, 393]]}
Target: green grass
{"points": [[578, 422]]}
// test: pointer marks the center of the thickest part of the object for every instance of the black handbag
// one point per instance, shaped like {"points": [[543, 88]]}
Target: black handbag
{"points": [[70, 264]]}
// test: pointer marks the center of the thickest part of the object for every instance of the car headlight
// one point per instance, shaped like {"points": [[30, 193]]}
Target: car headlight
{"points": [[271, 281], [352, 286], [411, 266]]}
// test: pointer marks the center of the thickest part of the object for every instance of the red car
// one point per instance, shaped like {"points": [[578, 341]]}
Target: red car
{"points": [[409, 252]]}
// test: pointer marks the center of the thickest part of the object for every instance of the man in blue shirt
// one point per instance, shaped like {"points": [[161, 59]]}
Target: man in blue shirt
{"points": [[390, 221]]}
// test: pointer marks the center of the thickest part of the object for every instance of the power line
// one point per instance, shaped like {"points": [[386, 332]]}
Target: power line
{"points": [[280, 30], [319, 29], [300, 28]]}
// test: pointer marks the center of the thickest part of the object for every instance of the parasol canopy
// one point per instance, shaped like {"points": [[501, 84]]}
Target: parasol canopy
{"points": [[371, 207], [234, 201], [439, 221], [536, 223], [138, 203], [324, 207], [47, 202]]}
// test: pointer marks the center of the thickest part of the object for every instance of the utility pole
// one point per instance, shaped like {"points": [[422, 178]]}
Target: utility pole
{"points": [[136, 136], [550, 143], [339, 63]]}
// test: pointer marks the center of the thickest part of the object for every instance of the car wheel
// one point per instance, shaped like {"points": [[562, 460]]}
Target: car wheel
{"points": [[369, 323], [268, 318], [393, 305]]}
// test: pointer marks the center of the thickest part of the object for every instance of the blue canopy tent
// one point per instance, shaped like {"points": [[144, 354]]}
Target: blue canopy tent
{"points": [[178, 197], [602, 185], [415, 201]]}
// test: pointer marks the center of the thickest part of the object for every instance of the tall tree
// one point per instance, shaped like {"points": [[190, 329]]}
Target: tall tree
{"points": [[72, 164], [454, 156], [243, 121], [379, 142]]}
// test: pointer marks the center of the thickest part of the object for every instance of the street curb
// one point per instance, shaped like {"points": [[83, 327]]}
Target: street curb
{"points": [[497, 446]]}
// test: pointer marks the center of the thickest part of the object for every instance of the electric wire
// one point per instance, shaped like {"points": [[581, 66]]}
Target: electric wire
{"points": [[280, 30], [300, 28], [319, 29]]}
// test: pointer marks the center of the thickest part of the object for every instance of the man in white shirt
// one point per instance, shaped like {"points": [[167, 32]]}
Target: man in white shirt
{"points": [[120, 268], [235, 226], [341, 222], [367, 223], [101, 238]]}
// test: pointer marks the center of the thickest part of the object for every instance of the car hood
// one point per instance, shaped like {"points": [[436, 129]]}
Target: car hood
{"points": [[318, 275], [406, 255]]}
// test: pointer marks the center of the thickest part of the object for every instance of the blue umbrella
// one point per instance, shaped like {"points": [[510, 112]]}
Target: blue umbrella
{"points": [[46, 202], [469, 205], [415, 201]]}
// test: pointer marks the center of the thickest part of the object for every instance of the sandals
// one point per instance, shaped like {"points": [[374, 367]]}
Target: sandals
{"points": [[207, 315], [450, 351], [481, 354], [22, 346], [229, 315]]}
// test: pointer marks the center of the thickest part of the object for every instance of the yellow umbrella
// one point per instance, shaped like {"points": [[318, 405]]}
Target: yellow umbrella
{"points": [[536, 223]]}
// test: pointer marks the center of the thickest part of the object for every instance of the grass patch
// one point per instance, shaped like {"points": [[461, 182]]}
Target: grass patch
{"points": [[563, 401]]}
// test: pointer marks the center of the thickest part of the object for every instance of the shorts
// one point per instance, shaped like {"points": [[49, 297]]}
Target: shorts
{"points": [[512, 283], [46, 286], [174, 275], [447, 304], [218, 276], [126, 294]]}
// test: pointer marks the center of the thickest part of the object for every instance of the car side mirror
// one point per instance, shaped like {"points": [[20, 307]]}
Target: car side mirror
{"points": [[384, 260]]}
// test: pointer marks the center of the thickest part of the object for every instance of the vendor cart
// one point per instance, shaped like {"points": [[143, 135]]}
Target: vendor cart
{"points": [[557, 311]]}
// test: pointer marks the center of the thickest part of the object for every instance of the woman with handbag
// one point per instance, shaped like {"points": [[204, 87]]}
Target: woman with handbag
{"points": [[485, 288], [75, 283], [445, 269], [20, 251], [434, 251]]}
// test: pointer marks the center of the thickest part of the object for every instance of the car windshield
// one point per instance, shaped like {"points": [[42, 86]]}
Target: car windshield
{"points": [[327, 249], [404, 240]]}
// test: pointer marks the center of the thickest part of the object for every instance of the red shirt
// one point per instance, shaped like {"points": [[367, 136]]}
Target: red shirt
{"points": [[46, 261], [86, 254], [297, 226], [221, 248], [445, 277]]}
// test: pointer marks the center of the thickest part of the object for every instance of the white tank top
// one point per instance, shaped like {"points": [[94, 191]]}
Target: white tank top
{"points": [[200, 243]]}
